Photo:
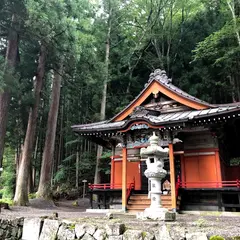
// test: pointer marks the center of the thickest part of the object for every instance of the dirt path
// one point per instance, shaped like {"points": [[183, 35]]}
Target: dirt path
{"points": [[40, 208]]}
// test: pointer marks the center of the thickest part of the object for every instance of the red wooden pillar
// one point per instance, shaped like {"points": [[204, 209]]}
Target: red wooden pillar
{"points": [[172, 176], [124, 178], [112, 172]]}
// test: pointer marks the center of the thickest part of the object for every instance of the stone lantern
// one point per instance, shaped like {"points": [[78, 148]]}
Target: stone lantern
{"points": [[155, 173]]}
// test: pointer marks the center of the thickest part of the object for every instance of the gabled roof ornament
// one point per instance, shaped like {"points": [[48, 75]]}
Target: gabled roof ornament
{"points": [[159, 75]]}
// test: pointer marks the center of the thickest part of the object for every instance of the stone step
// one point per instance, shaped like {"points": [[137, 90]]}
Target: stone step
{"points": [[141, 206], [146, 201], [137, 209], [145, 196], [139, 202]]}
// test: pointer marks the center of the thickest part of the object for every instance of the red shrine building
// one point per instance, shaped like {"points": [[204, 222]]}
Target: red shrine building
{"points": [[204, 152]]}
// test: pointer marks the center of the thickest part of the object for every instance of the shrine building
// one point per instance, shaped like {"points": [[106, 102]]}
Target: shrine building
{"points": [[204, 150]]}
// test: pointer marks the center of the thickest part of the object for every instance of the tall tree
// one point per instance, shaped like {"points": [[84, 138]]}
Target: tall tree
{"points": [[48, 152], [109, 6], [21, 193], [8, 75]]}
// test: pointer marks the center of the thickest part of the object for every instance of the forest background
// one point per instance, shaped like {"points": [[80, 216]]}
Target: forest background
{"points": [[66, 62]]}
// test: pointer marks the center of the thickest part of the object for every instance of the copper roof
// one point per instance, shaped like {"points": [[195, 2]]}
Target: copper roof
{"points": [[161, 77], [162, 119], [191, 116]]}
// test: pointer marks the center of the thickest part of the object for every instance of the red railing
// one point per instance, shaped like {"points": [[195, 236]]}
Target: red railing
{"points": [[104, 186], [129, 189], [208, 184], [111, 186]]}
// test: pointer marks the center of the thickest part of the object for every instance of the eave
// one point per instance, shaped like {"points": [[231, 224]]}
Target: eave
{"points": [[163, 121]]}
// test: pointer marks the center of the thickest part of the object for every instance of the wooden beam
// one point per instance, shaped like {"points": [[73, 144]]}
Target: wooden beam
{"points": [[124, 178], [172, 176]]}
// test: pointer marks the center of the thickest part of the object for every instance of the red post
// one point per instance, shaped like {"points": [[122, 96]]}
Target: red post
{"points": [[124, 178]]}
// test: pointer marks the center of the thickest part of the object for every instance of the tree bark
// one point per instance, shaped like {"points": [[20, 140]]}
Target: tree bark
{"points": [[10, 64], [44, 188], [231, 5], [104, 93], [21, 193], [77, 170]]}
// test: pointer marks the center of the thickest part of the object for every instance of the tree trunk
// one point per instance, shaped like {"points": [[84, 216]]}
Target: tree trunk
{"points": [[21, 193], [48, 152], [10, 64], [30, 179], [104, 95], [77, 170], [232, 5]]}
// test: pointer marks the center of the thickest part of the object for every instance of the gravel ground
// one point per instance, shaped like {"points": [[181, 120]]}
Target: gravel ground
{"points": [[210, 223]]}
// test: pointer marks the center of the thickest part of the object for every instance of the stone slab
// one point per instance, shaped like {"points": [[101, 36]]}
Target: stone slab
{"points": [[88, 237], [115, 229], [65, 232], [100, 234], [133, 235], [31, 228], [49, 230], [163, 233], [80, 230]]}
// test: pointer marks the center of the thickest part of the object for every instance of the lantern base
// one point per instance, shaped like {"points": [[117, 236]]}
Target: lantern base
{"points": [[159, 214]]}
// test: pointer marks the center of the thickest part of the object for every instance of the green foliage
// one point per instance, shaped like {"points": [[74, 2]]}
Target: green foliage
{"points": [[67, 170], [7, 179], [32, 195], [216, 238], [7, 200], [104, 166]]}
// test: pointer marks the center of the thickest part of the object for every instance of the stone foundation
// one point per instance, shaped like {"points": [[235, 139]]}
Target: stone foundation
{"points": [[11, 229], [97, 229]]}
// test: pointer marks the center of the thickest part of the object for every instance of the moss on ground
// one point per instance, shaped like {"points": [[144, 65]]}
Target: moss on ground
{"points": [[216, 238]]}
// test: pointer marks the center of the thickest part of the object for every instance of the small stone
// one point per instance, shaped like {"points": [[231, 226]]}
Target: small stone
{"points": [[90, 229], [120, 237], [65, 233], [100, 234], [80, 230], [170, 216], [163, 233], [31, 228], [133, 235], [115, 229], [196, 236], [88, 237], [49, 230]]}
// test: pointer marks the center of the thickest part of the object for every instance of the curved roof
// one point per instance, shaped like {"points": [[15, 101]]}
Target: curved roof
{"points": [[216, 114], [158, 81]]}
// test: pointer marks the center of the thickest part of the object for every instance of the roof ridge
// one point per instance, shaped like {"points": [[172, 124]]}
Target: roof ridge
{"points": [[159, 75]]}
